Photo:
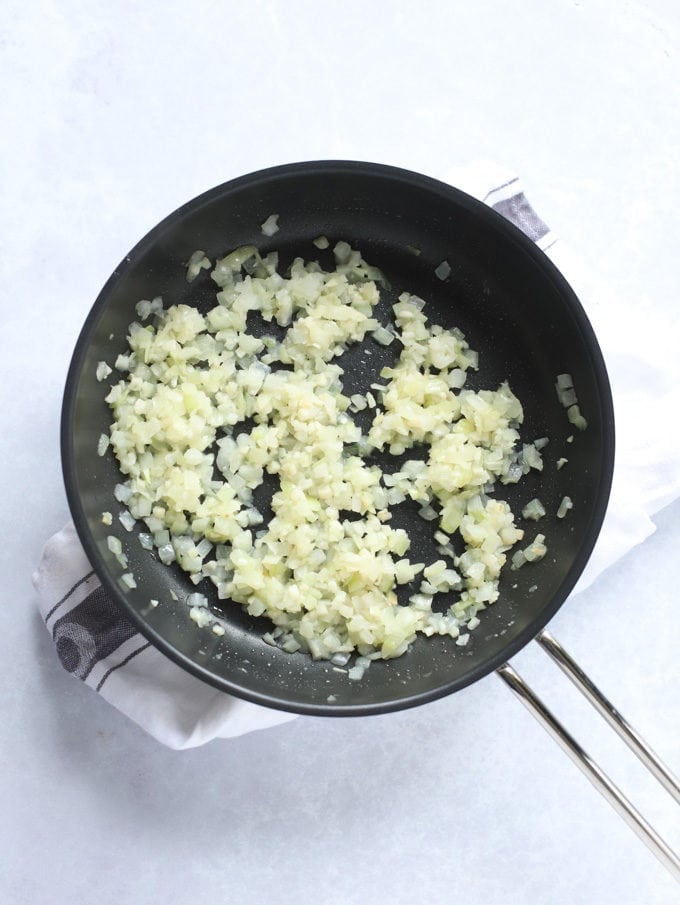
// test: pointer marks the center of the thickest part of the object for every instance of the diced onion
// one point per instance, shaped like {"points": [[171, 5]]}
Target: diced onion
{"points": [[146, 308], [443, 271], [197, 599], [103, 371], [568, 398], [122, 493], [576, 418], [326, 566], [114, 544], [428, 513], [340, 659], [197, 262], [166, 554], [534, 510], [564, 507], [536, 550], [271, 225], [201, 616], [342, 252], [126, 520], [128, 580], [382, 336]]}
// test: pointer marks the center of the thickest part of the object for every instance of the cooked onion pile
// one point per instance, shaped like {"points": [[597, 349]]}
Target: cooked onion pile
{"points": [[326, 568]]}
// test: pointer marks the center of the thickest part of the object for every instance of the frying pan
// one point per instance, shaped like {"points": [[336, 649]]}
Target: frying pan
{"points": [[515, 309]]}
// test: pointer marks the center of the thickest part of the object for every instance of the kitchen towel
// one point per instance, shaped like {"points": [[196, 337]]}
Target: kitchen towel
{"points": [[98, 645]]}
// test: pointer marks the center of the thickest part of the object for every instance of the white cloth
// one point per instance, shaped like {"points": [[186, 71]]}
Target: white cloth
{"points": [[98, 645], [643, 364]]}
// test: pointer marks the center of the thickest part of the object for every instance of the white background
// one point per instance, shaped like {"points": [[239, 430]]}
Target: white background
{"points": [[112, 115]]}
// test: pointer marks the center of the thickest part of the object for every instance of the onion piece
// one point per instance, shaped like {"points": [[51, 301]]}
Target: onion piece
{"points": [[536, 550], [128, 579], [103, 371], [382, 336], [197, 262], [340, 659], [564, 507], [576, 418], [342, 252], [270, 226], [427, 513], [146, 541], [114, 544], [126, 520], [196, 599], [146, 308], [443, 270], [122, 492], [533, 510]]}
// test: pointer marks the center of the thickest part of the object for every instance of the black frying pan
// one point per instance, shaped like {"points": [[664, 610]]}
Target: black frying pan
{"points": [[516, 310]]}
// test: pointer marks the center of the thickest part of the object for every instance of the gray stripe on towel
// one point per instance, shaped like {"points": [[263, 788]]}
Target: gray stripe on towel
{"points": [[518, 210], [68, 594], [122, 663]]}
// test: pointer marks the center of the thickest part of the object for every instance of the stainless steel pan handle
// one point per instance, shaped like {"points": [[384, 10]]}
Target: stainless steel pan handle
{"points": [[594, 773]]}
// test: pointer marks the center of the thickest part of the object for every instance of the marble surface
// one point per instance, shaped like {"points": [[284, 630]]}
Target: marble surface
{"points": [[113, 114]]}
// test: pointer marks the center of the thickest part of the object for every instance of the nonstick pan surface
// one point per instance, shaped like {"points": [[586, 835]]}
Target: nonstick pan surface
{"points": [[515, 309]]}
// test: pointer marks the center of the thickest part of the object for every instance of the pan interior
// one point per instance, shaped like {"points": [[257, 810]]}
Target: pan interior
{"points": [[515, 310]]}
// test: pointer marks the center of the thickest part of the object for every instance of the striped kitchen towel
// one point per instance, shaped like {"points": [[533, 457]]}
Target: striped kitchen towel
{"points": [[97, 644]]}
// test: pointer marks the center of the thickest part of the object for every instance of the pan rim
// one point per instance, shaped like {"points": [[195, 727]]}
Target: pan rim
{"points": [[527, 247]]}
